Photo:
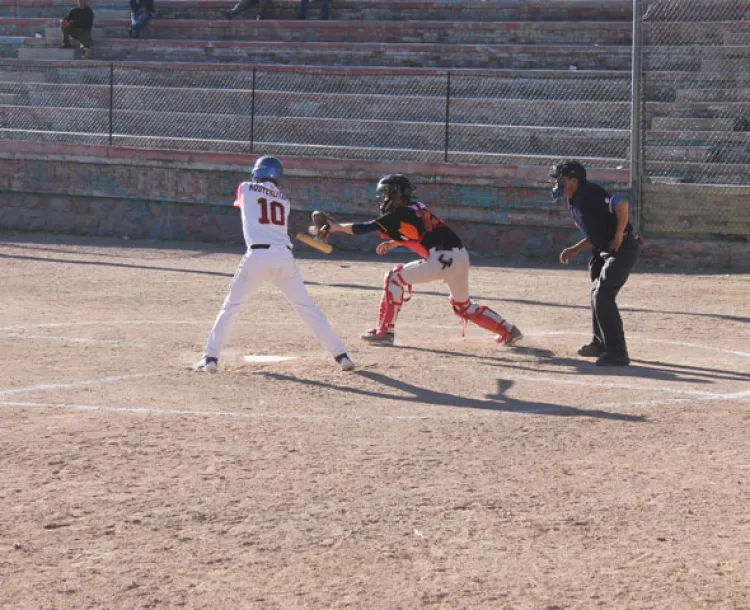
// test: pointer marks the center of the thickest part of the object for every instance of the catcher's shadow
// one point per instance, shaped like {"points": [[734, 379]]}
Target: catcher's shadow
{"points": [[409, 392]]}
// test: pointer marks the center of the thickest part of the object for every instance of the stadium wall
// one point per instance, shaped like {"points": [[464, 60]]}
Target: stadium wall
{"points": [[167, 195]]}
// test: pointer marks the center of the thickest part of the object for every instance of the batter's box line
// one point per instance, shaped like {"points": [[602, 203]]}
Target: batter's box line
{"points": [[225, 414], [542, 333], [46, 387]]}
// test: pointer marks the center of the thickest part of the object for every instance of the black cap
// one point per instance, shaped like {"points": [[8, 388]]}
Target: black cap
{"points": [[569, 169]]}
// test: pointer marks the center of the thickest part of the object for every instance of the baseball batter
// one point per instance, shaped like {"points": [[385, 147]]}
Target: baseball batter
{"points": [[403, 222], [265, 211]]}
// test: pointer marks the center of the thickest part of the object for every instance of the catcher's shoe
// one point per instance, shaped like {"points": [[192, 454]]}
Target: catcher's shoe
{"points": [[591, 350], [378, 337], [209, 364], [345, 362], [512, 339]]}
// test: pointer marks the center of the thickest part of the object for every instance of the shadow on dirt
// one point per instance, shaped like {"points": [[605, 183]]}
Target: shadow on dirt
{"points": [[642, 369], [401, 391]]}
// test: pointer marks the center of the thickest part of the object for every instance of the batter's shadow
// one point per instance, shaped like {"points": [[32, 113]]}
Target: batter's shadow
{"points": [[408, 392]]}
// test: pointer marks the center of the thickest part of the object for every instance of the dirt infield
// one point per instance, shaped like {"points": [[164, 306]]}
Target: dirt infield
{"points": [[447, 472]]}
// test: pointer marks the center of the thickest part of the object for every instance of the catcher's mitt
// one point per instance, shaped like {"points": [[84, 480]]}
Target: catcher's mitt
{"points": [[321, 226]]}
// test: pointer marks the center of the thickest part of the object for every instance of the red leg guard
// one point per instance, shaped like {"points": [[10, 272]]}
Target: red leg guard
{"points": [[482, 316], [396, 291]]}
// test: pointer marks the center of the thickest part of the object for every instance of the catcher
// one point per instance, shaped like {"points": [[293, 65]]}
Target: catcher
{"points": [[403, 222]]}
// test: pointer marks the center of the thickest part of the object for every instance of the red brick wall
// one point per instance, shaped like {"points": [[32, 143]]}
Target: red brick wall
{"points": [[102, 191]]}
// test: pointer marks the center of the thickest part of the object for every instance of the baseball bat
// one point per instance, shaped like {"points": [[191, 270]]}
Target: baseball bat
{"points": [[315, 243]]}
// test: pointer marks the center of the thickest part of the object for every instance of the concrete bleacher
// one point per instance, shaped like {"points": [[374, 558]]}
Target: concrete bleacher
{"points": [[530, 82]]}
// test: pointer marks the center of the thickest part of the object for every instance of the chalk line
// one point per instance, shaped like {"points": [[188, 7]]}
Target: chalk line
{"points": [[74, 384]]}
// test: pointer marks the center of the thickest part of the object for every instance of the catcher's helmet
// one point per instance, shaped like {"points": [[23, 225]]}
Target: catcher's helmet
{"points": [[393, 190], [267, 168], [567, 169]]}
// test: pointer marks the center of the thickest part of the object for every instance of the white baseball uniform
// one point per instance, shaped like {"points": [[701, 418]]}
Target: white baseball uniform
{"points": [[265, 211]]}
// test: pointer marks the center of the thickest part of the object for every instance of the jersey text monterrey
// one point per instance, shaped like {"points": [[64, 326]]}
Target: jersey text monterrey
{"points": [[265, 212]]}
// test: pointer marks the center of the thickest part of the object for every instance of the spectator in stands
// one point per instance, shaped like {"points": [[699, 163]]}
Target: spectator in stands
{"points": [[302, 12], [78, 24], [244, 5], [141, 12]]}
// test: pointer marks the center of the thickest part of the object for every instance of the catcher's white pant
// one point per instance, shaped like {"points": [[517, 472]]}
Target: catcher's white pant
{"points": [[451, 266], [277, 265]]}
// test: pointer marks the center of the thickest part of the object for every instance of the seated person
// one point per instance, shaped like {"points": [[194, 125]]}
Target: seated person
{"points": [[141, 12], [77, 24]]}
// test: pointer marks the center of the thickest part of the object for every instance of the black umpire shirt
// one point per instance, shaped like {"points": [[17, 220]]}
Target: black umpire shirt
{"points": [[593, 210]]}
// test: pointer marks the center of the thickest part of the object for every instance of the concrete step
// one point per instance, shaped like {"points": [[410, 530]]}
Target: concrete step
{"points": [[695, 10], [737, 38], [359, 10], [46, 53], [700, 173], [690, 124], [593, 33], [720, 147], [728, 68], [615, 115], [110, 14], [260, 147], [495, 84], [726, 139], [683, 154], [734, 94], [697, 32], [225, 129], [537, 57], [699, 110]]}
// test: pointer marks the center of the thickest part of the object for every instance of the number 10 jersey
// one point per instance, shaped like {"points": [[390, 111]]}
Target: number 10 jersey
{"points": [[265, 211]]}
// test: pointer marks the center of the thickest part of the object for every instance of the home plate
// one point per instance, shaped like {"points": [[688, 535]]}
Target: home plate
{"points": [[268, 358]]}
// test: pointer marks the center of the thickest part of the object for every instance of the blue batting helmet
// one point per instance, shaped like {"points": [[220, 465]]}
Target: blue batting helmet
{"points": [[267, 168]]}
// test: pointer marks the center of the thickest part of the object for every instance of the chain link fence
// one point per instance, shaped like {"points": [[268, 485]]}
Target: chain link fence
{"points": [[695, 117], [526, 116]]}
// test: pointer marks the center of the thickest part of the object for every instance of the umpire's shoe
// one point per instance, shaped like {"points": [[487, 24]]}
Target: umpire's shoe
{"points": [[209, 364], [345, 362], [607, 359], [378, 337], [591, 350]]}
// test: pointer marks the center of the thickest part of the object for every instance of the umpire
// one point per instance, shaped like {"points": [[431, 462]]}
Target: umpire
{"points": [[603, 220]]}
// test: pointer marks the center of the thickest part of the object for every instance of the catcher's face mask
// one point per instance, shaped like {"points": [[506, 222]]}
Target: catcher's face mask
{"points": [[393, 190], [386, 198], [567, 177]]}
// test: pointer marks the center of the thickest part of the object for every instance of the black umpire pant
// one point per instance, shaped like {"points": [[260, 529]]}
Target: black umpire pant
{"points": [[609, 272]]}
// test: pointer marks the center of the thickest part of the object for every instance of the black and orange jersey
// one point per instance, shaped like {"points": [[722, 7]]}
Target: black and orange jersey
{"points": [[416, 222]]}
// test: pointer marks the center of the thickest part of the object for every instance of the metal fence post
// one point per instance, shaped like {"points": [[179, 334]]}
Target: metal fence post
{"points": [[636, 152], [252, 115], [111, 99], [447, 115]]}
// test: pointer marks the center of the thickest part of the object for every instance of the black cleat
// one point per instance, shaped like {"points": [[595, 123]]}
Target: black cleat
{"points": [[607, 359], [591, 350], [344, 362], [378, 338]]}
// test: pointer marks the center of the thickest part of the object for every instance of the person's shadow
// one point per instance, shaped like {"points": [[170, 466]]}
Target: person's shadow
{"points": [[401, 391], [642, 369]]}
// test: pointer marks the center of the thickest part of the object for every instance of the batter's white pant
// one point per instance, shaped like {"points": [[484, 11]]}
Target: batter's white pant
{"points": [[277, 265]]}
